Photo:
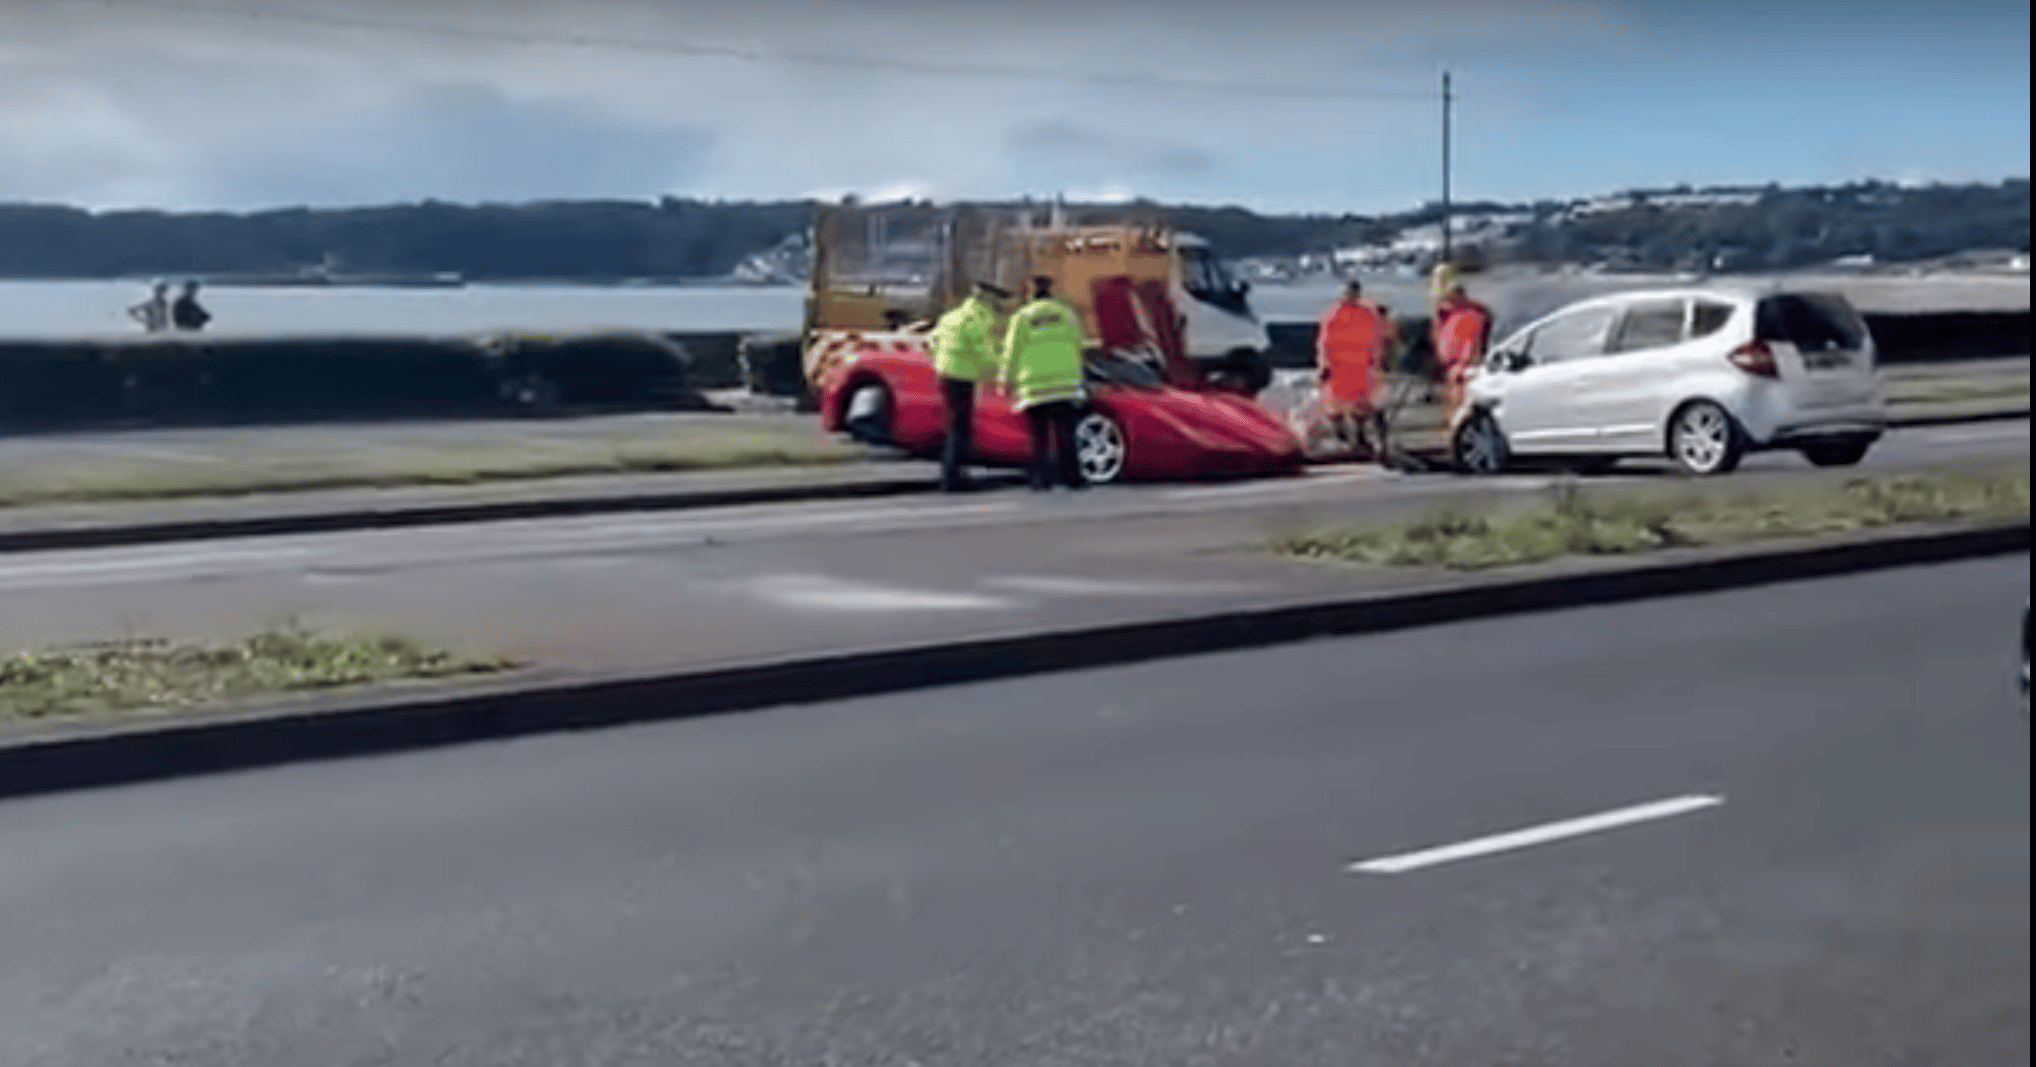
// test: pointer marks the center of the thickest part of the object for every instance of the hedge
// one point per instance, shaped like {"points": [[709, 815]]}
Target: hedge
{"points": [[198, 380]]}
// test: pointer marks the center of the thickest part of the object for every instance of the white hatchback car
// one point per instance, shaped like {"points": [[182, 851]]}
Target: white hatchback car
{"points": [[1701, 375]]}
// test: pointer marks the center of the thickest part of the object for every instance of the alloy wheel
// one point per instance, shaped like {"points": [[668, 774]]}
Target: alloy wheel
{"points": [[1099, 448], [1479, 448], [1703, 439]]}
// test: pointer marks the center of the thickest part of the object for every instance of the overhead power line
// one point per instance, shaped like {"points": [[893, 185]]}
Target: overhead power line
{"points": [[893, 63]]}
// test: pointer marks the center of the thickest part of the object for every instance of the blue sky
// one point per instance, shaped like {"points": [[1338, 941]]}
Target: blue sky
{"points": [[242, 104]]}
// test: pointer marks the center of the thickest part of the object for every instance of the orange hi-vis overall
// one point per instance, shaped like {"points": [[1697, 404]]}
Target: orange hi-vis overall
{"points": [[1461, 329], [1352, 343]]}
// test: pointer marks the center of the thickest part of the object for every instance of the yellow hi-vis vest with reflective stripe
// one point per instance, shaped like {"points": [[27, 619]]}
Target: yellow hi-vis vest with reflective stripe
{"points": [[1043, 353], [965, 341]]}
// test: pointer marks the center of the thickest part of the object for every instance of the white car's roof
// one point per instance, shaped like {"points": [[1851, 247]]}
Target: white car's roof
{"points": [[1733, 289]]}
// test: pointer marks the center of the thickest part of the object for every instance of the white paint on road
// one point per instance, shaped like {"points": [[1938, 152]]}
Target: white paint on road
{"points": [[131, 567], [1052, 585], [1998, 433], [818, 592], [1536, 835], [1281, 485], [679, 526]]}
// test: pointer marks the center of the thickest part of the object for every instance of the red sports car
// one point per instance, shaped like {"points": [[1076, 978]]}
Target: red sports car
{"points": [[883, 391]]}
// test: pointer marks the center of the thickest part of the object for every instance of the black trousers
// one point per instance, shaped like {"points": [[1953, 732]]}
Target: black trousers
{"points": [[1053, 444], [960, 398]]}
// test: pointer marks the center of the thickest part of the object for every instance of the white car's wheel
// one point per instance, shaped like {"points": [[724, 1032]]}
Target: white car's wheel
{"points": [[1480, 446], [1100, 448], [1703, 440]]}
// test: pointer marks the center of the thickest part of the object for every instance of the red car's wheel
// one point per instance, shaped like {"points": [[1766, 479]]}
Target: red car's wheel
{"points": [[867, 413], [1101, 449]]}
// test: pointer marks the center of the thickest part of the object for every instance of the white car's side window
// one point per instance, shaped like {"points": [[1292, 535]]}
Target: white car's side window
{"points": [[1577, 335], [1708, 317], [1650, 324]]}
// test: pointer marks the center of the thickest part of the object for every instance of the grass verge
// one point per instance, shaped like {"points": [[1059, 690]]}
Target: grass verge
{"points": [[327, 461], [1573, 521], [160, 675]]}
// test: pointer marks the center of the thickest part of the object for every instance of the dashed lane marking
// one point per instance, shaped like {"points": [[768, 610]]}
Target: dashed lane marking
{"points": [[1536, 835], [822, 593]]}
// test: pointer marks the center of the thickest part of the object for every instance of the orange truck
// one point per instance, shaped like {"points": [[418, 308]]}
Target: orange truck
{"points": [[882, 273]]}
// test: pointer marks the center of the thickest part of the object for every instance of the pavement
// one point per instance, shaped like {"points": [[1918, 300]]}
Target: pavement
{"points": [[640, 591], [1807, 843]]}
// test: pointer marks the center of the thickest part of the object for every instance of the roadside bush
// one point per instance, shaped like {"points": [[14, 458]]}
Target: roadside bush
{"points": [[541, 373], [198, 380]]}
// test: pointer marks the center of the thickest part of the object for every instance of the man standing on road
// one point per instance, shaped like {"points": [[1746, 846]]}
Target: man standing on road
{"points": [[1350, 348], [1042, 371], [1461, 332], [964, 352]]}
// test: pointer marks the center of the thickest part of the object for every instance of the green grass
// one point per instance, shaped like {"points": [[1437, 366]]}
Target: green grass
{"points": [[150, 674], [2009, 392], [1572, 521], [2003, 380], [367, 464]]}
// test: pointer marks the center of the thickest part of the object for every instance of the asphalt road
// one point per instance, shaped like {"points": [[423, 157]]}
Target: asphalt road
{"points": [[651, 590], [1150, 865]]}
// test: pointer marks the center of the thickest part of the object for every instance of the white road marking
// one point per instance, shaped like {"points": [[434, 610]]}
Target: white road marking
{"points": [[1536, 835], [129, 566], [1060, 586], [1996, 434], [1312, 481], [822, 593], [676, 527]]}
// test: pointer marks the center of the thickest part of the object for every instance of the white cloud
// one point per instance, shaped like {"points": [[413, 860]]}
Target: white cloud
{"points": [[271, 102]]}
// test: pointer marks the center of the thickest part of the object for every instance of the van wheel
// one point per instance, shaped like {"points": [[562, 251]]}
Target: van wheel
{"points": [[1836, 453], [531, 394], [1703, 440], [1250, 369], [1480, 446]]}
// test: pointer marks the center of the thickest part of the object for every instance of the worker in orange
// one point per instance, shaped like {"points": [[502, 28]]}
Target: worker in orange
{"points": [[1350, 350], [1461, 331]]}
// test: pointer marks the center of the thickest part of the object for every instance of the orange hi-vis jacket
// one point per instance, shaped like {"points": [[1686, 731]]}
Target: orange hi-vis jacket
{"points": [[1351, 344], [1462, 328]]}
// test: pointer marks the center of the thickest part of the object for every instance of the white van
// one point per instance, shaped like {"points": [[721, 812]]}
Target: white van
{"points": [[1701, 375]]}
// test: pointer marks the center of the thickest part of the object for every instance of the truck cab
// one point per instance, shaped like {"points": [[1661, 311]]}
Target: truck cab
{"points": [[1224, 333], [882, 273]]}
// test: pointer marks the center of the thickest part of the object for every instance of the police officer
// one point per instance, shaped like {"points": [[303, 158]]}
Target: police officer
{"points": [[964, 353], [1042, 370]]}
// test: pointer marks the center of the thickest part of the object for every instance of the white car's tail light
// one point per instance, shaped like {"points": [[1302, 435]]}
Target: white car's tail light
{"points": [[1755, 358]]}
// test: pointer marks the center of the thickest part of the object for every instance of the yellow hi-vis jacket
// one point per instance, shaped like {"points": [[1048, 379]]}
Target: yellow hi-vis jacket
{"points": [[1043, 354], [965, 341]]}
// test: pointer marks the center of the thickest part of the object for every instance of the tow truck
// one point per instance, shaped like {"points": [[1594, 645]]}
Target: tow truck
{"points": [[882, 273]]}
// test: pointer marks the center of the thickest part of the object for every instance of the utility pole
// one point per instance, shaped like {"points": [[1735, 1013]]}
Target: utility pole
{"points": [[1447, 100]]}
